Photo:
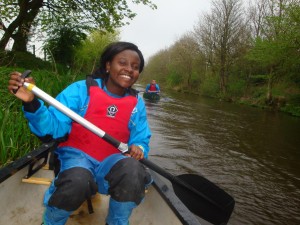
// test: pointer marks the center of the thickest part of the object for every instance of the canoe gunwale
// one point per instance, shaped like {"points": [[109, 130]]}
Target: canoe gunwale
{"points": [[28, 160], [168, 194]]}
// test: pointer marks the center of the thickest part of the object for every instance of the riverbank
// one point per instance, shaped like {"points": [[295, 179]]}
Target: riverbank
{"points": [[286, 100]]}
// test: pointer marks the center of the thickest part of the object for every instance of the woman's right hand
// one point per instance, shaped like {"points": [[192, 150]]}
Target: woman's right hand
{"points": [[16, 83]]}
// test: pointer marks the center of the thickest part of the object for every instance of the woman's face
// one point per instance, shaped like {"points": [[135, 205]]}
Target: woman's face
{"points": [[123, 70]]}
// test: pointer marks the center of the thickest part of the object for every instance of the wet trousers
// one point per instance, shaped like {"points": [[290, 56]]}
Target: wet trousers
{"points": [[81, 176]]}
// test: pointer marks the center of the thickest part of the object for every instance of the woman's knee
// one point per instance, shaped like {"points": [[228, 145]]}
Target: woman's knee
{"points": [[73, 187], [127, 180]]}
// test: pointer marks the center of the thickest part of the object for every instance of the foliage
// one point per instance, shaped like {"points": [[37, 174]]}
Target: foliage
{"points": [[21, 18], [183, 54], [88, 53], [258, 79], [223, 37], [157, 68], [280, 48], [174, 79], [14, 133], [15, 136], [210, 86], [62, 44], [236, 87], [290, 37], [22, 59], [291, 109]]}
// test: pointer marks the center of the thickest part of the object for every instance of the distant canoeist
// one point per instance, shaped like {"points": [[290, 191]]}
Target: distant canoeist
{"points": [[152, 87]]}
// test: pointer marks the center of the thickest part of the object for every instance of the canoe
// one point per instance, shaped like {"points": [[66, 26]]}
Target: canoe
{"points": [[151, 96], [23, 183]]}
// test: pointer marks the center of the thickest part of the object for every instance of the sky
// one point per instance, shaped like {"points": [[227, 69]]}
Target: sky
{"points": [[154, 30]]}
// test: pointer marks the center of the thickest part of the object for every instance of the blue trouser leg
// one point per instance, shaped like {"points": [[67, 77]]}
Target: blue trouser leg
{"points": [[56, 211], [119, 212], [55, 216]]}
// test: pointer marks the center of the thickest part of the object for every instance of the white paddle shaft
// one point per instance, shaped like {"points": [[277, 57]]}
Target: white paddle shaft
{"points": [[74, 116]]}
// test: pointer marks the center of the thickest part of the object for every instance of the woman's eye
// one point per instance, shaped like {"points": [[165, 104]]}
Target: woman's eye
{"points": [[123, 63], [136, 67]]}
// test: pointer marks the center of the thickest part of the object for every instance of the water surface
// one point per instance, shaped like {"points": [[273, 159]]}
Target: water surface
{"points": [[251, 153]]}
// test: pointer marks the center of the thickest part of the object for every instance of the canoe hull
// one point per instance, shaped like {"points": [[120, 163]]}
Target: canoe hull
{"points": [[21, 203], [151, 96]]}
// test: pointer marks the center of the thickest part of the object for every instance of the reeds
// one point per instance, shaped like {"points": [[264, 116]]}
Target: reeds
{"points": [[15, 136]]}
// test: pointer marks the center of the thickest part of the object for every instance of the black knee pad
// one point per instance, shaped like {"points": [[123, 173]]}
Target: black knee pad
{"points": [[127, 180], [73, 187]]}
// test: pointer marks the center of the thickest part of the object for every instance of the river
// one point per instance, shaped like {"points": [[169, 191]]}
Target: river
{"points": [[250, 153]]}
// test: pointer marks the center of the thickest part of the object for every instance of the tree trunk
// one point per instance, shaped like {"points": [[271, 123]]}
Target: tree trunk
{"points": [[222, 80], [269, 99], [21, 39], [8, 34], [22, 24], [223, 60]]}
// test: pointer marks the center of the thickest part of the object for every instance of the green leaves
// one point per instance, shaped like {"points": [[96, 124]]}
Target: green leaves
{"points": [[85, 14], [279, 47]]}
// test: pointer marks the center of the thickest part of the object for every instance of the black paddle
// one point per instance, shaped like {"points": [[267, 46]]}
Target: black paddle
{"points": [[199, 195]]}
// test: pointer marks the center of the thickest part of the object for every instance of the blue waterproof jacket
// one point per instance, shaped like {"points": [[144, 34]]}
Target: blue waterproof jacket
{"points": [[47, 121]]}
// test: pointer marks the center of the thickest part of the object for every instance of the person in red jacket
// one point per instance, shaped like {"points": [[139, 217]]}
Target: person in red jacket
{"points": [[153, 87]]}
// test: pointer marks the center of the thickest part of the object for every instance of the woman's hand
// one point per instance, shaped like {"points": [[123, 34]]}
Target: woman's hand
{"points": [[135, 152], [15, 83]]}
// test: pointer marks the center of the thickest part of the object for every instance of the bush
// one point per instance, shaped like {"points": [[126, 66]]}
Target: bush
{"points": [[210, 86], [174, 79], [23, 59], [258, 79], [236, 88]]}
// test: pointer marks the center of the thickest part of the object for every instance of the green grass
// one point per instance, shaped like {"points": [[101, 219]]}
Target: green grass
{"points": [[15, 137]]}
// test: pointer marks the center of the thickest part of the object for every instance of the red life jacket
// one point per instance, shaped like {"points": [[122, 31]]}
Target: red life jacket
{"points": [[152, 87], [109, 114]]}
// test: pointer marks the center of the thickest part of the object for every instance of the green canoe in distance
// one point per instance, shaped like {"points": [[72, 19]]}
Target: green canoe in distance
{"points": [[151, 96]]}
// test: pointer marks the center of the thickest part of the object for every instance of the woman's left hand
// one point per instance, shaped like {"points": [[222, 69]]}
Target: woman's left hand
{"points": [[135, 152]]}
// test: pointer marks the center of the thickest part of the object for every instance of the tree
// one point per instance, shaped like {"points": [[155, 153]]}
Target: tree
{"points": [[87, 55], [157, 67], [256, 14], [184, 53], [19, 17], [277, 49], [62, 44], [222, 35]]}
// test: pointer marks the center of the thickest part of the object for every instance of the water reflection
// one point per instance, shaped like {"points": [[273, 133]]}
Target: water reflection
{"points": [[252, 154]]}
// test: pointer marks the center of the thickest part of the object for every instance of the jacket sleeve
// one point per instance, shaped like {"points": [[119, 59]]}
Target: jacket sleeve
{"points": [[147, 87], [140, 133], [157, 87], [48, 121]]}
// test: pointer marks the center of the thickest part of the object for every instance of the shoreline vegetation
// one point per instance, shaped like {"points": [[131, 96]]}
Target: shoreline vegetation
{"points": [[17, 140]]}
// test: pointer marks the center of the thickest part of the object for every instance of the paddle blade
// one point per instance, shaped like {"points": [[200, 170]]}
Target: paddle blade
{"points": [[216, 211]]}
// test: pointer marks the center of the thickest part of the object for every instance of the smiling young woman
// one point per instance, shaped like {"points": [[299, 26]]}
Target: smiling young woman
{"points": [[87, 164]]}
